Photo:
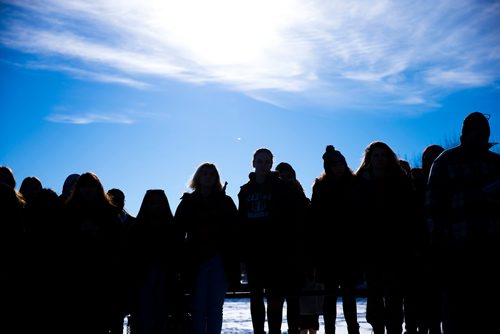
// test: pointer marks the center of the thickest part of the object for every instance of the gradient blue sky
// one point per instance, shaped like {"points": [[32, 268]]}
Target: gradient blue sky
{"points": [[142, 92]]}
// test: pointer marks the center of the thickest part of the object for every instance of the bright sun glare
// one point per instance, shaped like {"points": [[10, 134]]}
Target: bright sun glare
{"points": [[225, 32]]}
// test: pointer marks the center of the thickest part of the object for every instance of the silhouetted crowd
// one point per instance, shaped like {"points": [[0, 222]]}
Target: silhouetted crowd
{"points": [[424, 241]]}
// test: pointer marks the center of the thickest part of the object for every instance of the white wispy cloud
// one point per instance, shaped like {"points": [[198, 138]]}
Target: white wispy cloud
{"points": [[402, 51], [70, 115], [89, 118], [447, 78], [94, 76]]}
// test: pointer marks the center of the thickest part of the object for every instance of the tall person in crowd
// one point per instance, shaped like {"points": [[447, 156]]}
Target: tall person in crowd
{"points": [[262, 207], [208, 217], [388, 208], [155, 254], [463, 202], [335, 229]]}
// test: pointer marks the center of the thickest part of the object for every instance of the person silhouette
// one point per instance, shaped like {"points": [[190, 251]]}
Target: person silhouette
{"points": [[387, 205], [335, 226], [94, 232], [45, 267], [294, 255], [125, 282], [462, 201], [208, 218], [11, 254], [422, 301], [264, 207], [155, 245]]}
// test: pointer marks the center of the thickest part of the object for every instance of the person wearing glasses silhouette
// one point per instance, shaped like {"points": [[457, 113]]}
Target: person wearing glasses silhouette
{"points": [[463, 201]]}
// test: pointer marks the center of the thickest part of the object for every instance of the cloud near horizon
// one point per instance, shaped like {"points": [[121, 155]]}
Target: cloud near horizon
{"points": [[405, 52]]}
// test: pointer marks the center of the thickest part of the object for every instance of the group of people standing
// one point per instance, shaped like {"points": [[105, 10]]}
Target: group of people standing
{"points": [[418, 238]]}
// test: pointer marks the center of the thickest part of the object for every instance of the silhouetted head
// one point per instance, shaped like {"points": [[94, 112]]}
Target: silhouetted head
{"points": [[7, 176], [206, 176], [30, 187], [475, 130], [155, 207], [286, 171], [88, 190], [332, 157], [117, 197], [69, 184], [380, 158], [262, 161], [405, 165], [430, 154]]}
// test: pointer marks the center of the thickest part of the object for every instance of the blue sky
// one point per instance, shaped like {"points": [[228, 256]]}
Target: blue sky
{"points": [[142, 92]]}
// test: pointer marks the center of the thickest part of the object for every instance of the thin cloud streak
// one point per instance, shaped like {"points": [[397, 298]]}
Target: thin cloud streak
{"points": [[452, 78], [93, 76], [399, 51], [89, 118], [66, 114]]}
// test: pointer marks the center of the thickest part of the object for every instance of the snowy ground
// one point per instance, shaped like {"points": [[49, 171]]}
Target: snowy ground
{"points": [[237, 318]]}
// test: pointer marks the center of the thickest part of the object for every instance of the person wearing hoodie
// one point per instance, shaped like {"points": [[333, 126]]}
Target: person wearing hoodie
{"points": [[265, 209]]}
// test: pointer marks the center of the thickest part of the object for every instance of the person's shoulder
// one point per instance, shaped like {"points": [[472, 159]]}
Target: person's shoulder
{"points": [[130, 218], [186, 196], [251, 179], [220, 195], [449, 154], [186, 203], [228, 200], [244, 187], [227, 197], [321, 181], [494, 155]]}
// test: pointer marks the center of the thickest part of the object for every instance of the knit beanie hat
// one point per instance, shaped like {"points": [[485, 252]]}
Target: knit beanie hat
{"points": [[331, 156]]}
